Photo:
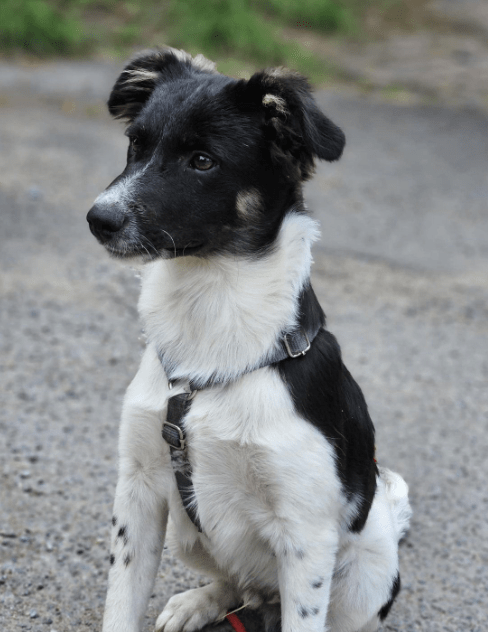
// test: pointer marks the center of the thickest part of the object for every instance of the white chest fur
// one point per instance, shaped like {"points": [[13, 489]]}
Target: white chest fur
{"points": [[221, 316], [257, 470]]}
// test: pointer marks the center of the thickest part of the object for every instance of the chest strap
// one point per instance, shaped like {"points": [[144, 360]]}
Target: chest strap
{"points": [[294, 344], [174, 434]]}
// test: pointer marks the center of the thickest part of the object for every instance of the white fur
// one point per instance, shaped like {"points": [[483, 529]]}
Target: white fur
{"points": [[216, 316], [269, 498], [122, 192]]}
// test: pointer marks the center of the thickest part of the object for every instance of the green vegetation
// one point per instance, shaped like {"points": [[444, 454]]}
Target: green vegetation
{"points": [[330, 16], [245, 31], [38, 27], [224, 26]]}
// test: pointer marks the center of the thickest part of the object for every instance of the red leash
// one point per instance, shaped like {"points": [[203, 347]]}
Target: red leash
{"points": [[235, 622]]}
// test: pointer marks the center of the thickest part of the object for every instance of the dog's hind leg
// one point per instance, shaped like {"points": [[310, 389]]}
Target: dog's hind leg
{"points": [[366, 578]]}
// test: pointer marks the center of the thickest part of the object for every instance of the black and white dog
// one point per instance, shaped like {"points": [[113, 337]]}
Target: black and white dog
{"points": [[266, 464]]}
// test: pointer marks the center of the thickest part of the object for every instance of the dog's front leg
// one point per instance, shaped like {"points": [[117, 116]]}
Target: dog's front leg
{"points": [[305, 576], [139, 525], [141, 505]]}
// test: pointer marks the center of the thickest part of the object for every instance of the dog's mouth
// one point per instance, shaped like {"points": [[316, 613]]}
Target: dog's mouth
{"points": [[149, 252]]}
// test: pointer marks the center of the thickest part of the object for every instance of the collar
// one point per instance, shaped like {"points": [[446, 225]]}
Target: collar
{"points": [[295, 341]]}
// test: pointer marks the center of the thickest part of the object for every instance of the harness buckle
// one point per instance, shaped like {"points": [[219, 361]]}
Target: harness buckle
{"points": [[299, 353], [174, 436]]}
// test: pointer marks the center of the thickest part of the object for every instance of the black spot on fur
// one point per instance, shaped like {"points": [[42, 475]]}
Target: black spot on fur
{"points": [[395, 589], [303, 612], [123, 534], [325, 394], [112, 560], [306, 612], [318, 584], [127, 560], [114, 521], [300, 554]]}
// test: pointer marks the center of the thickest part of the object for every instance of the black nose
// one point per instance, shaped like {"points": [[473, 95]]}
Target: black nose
{"points": [[105, 221]]}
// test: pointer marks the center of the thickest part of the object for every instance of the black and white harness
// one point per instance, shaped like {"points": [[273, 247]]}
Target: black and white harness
{"points": [[292, 344]]}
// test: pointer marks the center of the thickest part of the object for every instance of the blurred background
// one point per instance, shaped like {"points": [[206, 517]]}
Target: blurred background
{"points": [[401, 270], [434, 48]]}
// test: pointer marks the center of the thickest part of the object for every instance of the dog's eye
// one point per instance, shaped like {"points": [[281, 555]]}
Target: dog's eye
{"points": [[134, 141], [201, 162]]}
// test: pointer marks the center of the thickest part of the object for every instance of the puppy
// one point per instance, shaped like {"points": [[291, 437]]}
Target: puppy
{"points": [[242, 424]]}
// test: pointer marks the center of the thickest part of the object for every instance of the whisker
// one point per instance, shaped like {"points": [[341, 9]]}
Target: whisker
{"points": [[151, 245], [174, 245], [139, 210], [143, 246]]}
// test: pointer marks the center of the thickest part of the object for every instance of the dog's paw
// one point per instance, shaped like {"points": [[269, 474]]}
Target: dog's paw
{"points": [[193, 609]]}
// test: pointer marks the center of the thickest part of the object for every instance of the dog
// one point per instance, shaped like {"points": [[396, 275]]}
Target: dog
{"points": [[242, 425]]}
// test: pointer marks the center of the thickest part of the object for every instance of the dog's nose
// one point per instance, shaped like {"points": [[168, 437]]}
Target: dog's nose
{"points": [[105, 221]]}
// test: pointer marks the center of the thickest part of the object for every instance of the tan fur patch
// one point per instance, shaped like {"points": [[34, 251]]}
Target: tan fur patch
{"points": [[279, 72], [141, 75], [200, 62], [277, 102], [203, 63], [248, 203]]}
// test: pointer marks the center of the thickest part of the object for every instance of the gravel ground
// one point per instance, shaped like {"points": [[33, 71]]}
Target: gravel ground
{"points": [[401, 271]]}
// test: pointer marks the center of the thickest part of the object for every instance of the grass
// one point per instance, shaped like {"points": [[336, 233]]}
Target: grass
{"points": [[242, 31], [38, 27], [329, 16], [238, 34]]}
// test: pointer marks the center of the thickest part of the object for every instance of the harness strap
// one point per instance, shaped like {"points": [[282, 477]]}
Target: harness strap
{"points": [[235, 622], [174, 434], [295, 344]]}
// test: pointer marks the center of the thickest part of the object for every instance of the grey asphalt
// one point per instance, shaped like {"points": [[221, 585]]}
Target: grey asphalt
{"points": [[401, 271]]}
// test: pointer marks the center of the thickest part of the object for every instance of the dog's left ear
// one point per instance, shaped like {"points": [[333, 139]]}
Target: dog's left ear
{"points": [[292, 119]]}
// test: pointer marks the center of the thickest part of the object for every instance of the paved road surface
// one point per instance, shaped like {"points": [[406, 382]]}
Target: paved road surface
{"points": [[401, 271]]}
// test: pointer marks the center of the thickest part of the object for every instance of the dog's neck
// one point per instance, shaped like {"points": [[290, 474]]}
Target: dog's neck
{"points": [[219, 317]]}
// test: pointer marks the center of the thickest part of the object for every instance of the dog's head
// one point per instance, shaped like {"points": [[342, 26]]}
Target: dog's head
{"points": [[213, 163]]}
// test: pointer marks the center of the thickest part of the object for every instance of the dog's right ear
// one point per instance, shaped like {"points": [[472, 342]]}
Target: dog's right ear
{"points": [[146, 70]]}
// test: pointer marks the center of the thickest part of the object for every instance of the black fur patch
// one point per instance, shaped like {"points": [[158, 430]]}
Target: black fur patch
{"points": [[272, 617], [114, 521], [303, 612], [127, 559], [318, 584], [123, 534], [306, 612], [325, 394], [112, 560], [395, 589]]}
